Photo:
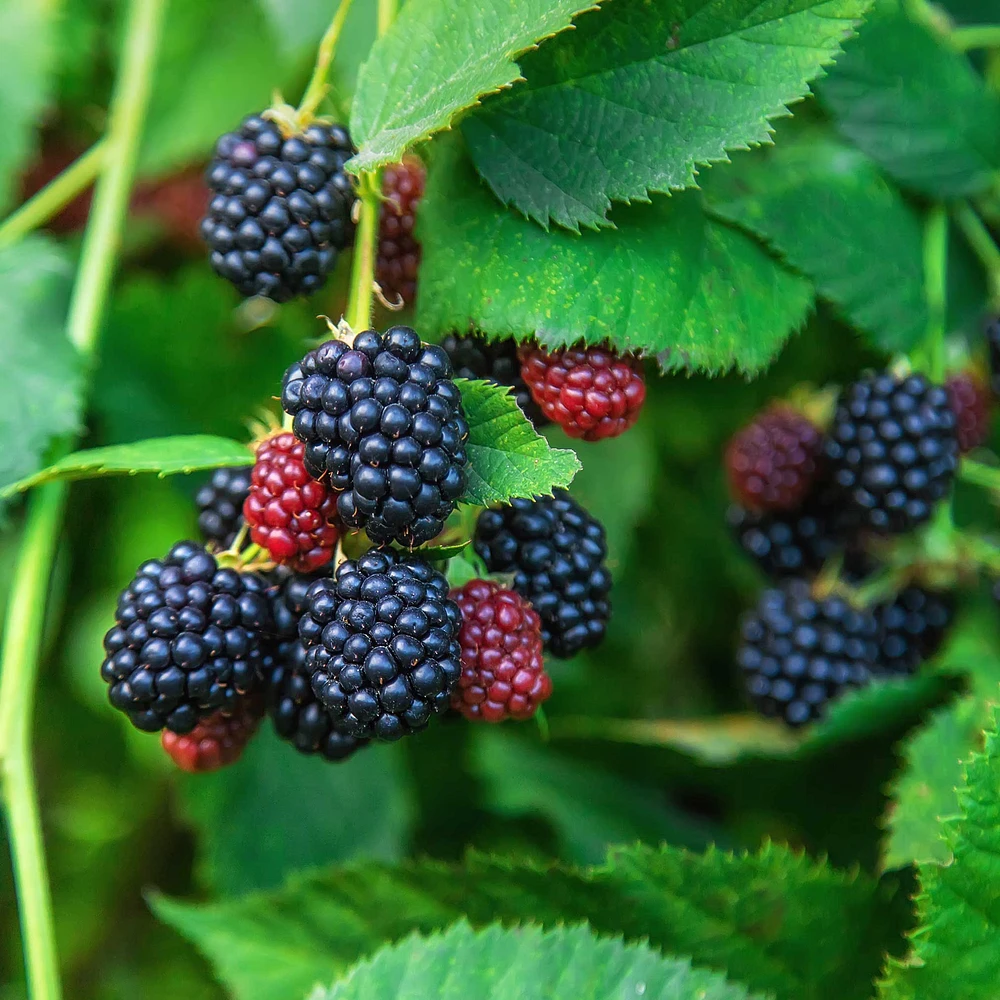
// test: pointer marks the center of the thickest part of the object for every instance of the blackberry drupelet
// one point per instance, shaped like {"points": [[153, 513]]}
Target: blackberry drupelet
{"points": [[382, 423], [970, 399], [893, 449], [382, 644], [474, 357], [398, 259], [220, 505], [217, 741], [281, 207], [593, 393], [503, 673], [773, 462], [557, 553], [912, 627], [799, 652], [188, 640]]}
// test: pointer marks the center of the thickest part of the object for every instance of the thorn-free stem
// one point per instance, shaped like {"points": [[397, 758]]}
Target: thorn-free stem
{"points": [[979, 238], [936, 289], [975, 36], [317, 87], [44, 205], [359, 304], [386, 15]]}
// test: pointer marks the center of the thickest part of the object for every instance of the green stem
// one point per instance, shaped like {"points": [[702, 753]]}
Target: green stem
{"points": [[386, 15], [978, 474], [936, 289], [979, 238], [54, 197], [359, 304], [23, 626], [975, 36], [317, 88]]}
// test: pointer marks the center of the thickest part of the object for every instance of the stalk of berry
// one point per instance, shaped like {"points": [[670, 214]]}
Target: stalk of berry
{"points": [[290, 515], [398, 259], [591, 392], [503, 673]]}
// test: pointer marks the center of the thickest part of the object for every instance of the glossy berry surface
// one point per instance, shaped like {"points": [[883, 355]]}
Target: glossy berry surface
{"points": [[498, 361], [557, 553], [220, 505], [381, 642], [383, 426], [592, 393], [772, 463], [398, 260], [280, 210], [798, 652], [970, 399], [216, 741], [188, 640], [289, 513], [893, 449], [912, 627], [503, 672]]}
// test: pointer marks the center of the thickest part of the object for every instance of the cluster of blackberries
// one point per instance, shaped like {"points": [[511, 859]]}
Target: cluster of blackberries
{"points": [[803, 496]]}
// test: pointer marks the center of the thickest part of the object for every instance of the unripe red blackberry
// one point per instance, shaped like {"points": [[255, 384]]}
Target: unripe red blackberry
{"points": [[591, 392], [216, 741], [383, 425], [503, 673], [289, 513], [973, 406], [893, 449], [398, 258], [281, 207], [220, 505], [188, 640], [773, 462]]}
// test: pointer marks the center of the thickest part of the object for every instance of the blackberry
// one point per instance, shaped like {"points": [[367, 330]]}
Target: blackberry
{"points": [[993, 344], [591, 392], [474, 357], [290, 514], [382, 423], [381, 642], [216, 741], [912, 627], [281, 207], [557, 553], [785, 544], [893, 449], [970, 399], [188, 640], [220, 505], [773, 462], [398, 259], [503, 673], [799, 652]]}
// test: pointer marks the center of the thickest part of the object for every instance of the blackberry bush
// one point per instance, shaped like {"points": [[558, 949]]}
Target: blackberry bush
{"points": [[220, 505], [280, 211], [557, 554], [382, 424], [382, 644]]}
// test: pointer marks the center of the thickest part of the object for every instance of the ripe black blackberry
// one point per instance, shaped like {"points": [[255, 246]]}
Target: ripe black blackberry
{"points": [[893, 449], [912, 627], [557, 553], [799, 652], [220, 505], [188, 640], [497, 361], [381, 642], [785, 543], [281, 207], [296, 714], [382, 421]]}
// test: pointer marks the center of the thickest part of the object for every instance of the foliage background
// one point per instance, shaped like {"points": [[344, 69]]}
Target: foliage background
{"points": [[178, 355]]}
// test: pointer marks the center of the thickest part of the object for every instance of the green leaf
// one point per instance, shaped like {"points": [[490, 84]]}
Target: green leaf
{"points": [[27, 46], [775, 920], [916, 107], [956, 947], [828, 211], [507, 457], [165, 456], [438, 58], [304, 812], [40, 381], [637, 97], [662, 282], [526, 963]]}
